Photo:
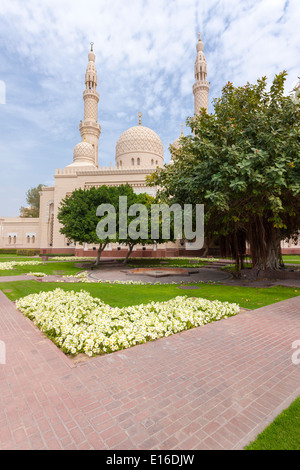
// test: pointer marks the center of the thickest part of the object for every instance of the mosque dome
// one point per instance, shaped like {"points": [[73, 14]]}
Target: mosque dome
{"points": [[139, 146], [177, 144], [84, 153]]}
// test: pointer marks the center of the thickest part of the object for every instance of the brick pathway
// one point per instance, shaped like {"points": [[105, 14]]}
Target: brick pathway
{"points": [[214, 387]]}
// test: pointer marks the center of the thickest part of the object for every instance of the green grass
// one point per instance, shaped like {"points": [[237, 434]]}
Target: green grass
{"points": [[291, 259], [6, 258], [283, 433], [60, 268], [125, 295]]}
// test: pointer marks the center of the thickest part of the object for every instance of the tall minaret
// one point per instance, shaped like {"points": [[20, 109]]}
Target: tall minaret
{"points": [[201, 86], [90, 130]]}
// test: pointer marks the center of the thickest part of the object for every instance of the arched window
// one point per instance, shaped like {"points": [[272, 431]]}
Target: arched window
{"points": [[132, 161], [138, 161], [33, 238], [15, 239], [28, 238], [152, 162], [9, 239], [120, 162]]}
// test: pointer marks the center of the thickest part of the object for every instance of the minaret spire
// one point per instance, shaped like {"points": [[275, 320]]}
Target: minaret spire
{"points": [[201, 85], [90, 130]]}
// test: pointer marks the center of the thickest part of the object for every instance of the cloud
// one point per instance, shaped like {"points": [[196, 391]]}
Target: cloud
{"points": [[145, 55]]}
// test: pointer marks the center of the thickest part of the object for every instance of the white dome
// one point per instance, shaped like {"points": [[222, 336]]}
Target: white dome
{"points": [[139, 145], [84, 152], [177, 144]]}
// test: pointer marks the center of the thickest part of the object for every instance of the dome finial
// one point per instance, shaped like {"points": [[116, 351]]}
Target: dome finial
{"points": [[199, 34], [140, 118], [92, 46]]}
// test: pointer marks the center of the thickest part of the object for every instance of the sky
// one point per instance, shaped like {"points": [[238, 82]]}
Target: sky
{"points": [[145, 55]]}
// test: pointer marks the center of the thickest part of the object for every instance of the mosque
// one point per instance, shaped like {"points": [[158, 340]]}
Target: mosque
{"points": [[139, 151]]}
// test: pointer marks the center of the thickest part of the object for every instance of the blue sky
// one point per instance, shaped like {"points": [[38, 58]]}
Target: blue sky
{"points": [[145, 55]]}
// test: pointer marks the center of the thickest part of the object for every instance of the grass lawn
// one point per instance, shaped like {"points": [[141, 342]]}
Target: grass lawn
{"points": [[60, 268], [291, 259], [125, 295], [283, 433], [6, 258]]}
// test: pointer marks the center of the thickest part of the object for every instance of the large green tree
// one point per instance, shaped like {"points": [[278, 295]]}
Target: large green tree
{"points": [[243, 163], [79, 219]]}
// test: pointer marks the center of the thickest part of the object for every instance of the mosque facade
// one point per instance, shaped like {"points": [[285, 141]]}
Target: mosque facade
{"points": [[139, 151]]}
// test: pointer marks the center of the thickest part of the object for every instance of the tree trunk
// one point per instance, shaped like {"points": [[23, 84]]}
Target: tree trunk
{"points": [[206, 247], [271, 261], [128, 253], [100, 249], [265, 246]]}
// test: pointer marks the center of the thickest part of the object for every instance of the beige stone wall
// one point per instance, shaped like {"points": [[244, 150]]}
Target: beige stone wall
{"points": [[19, 233], [66, 181], [46, 208]]}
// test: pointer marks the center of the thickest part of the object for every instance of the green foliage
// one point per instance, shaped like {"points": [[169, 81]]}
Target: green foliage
{"points": [[4, 251], [33, 201], [27, 252], [243, 163], [78, 215]]}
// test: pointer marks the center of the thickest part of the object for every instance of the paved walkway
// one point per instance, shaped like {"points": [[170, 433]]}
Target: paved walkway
{"points": [[213, 387], [127, 274]]}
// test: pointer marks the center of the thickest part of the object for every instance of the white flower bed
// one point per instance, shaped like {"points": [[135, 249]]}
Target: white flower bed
{"points": [[82, 258], [12, 264], [36, 274], [77, 322], [69, 258], [83, 277]]}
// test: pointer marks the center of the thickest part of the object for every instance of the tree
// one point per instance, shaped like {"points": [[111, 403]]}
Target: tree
{"points": [[77, 214], [243, 163], [144, 235], [80, 217], [33, 201]]}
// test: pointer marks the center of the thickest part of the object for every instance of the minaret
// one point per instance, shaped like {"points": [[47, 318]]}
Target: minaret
{"points": [[90, 130], [201, 86]]}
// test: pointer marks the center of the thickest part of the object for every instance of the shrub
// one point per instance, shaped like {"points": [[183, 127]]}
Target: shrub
{"points": [[28, 252]]}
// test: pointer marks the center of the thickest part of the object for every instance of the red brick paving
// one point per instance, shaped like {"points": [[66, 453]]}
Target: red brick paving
{"points": [[213, 387]]}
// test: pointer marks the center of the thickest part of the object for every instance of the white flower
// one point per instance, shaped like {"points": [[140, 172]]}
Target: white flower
{"points": [[77, 322], [12, 264]]}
